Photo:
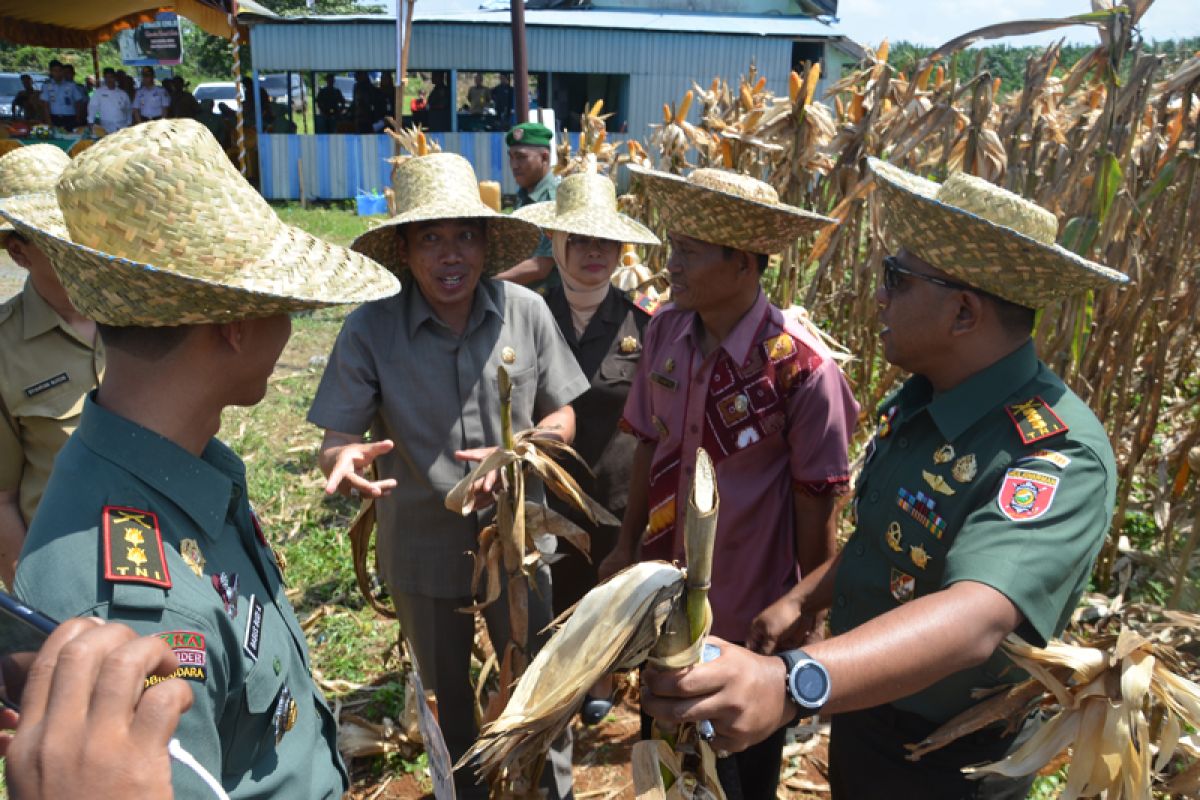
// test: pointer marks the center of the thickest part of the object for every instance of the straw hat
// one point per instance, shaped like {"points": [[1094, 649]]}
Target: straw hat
{"points": [[727, 208], [984, 235], [153, 226], [586, 204], [29, 170], [442, 186]]}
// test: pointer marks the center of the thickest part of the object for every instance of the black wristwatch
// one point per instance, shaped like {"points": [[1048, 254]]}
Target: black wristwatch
{"points": [[806, 681]]}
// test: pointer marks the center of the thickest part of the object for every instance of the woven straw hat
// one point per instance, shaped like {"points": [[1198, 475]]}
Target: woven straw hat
{"points": [[29, 170], [442, 186], [586, 204], [727, 208], [984, 235], [153, 226]]}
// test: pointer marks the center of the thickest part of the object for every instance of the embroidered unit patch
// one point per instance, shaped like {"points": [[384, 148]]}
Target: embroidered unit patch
{"points": [[189, 649], [1034, 420], [904, 586], [1051, 456], [1026, 495], [133, 548]]}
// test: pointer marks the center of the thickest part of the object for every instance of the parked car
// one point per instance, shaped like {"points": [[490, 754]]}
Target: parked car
{"points": [[277, 89], [222, 94], [10, 85]]}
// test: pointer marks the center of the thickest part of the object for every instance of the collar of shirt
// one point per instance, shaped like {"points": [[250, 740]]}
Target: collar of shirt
{"points": [[737, 342], [543, 191], [956, 410], [419, 312], [200, 487], [610, 313], [40, 318]]}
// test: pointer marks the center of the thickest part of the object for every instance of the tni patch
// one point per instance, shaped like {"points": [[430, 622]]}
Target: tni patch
{"points": [[904, 586], [133, 547], [1034, 420]]}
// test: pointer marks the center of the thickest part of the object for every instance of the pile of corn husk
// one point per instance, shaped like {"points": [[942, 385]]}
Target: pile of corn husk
{"points": [[1121, 710]]}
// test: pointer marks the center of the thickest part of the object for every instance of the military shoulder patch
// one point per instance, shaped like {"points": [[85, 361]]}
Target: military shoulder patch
{"points": [[1034, 420], [1051, 456], [1025, 494], [133, 547], [189, 650]]}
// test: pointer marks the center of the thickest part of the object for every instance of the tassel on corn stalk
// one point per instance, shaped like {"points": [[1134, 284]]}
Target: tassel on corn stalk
{"points": [[651, 607]]}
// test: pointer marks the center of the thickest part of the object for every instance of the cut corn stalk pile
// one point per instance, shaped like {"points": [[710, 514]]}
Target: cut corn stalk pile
{"points": [[650, 610], [1121, 709]]}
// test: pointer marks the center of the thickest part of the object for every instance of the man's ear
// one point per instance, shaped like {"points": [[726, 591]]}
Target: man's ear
{"points": [[968, 315], [17, 252], [232, 335]]}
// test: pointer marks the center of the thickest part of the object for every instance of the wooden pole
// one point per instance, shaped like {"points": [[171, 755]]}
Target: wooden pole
{"points": [[402, 76], [96, 65], [520, 62]]}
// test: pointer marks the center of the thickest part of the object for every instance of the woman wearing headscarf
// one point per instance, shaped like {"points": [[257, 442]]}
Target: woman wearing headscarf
{"points": [[604, 330]]}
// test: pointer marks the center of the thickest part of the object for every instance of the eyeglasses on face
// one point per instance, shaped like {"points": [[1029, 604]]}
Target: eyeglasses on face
{"points": [[894, 273], [591, 242]]}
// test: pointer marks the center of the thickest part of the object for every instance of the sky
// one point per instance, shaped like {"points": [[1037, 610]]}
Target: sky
{"points": [[932, 22]]}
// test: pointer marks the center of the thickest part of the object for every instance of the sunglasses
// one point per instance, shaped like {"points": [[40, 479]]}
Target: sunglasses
{"points": [[894, 273], [591, 242]]}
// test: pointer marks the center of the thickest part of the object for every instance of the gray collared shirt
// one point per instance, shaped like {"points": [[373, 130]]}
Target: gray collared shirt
{"points": [[399, 372]]}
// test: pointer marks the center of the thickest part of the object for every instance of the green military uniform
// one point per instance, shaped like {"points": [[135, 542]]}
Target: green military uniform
{"points": [[1008, 480], [45, 371], [545, 191], [136, 529]]}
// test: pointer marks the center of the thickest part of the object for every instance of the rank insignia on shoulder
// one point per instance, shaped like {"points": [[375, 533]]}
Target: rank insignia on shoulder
{"points": [[133, 547], [189, 650], [1026, 495], [1035, 420], [904, 586]]}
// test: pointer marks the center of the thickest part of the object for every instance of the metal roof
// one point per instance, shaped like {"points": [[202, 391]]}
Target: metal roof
{"points": [[726, 24]]}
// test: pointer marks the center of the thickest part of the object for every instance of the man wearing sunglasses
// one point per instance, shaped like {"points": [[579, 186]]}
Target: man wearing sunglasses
{"points": [[984, 500]]}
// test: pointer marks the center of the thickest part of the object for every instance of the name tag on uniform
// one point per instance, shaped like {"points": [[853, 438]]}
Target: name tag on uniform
{"points": [[663, 380], [253, 636], [49, 383]]}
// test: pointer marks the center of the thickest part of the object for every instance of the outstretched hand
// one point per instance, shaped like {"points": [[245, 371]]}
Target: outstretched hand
{"points": [[485, 485], [347, 476]]}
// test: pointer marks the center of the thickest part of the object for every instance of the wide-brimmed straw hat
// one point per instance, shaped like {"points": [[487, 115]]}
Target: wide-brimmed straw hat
{"points": [[442, 186], [29, 170], [586, 204], [984, 235], [153, 226], [727, 208]]}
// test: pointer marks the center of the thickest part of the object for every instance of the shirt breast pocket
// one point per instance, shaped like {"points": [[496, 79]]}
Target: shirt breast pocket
{"points": [[57, 397], [524, 388], [619, 368], [252, 740]]}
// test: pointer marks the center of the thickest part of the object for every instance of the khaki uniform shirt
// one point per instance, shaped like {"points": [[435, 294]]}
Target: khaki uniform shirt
{"points": [[138, 530], [46, 368], [399, 372], [1007, 480]]}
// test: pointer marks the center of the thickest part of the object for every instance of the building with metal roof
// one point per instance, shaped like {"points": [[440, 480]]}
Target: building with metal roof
{"points": [[633, 59]]}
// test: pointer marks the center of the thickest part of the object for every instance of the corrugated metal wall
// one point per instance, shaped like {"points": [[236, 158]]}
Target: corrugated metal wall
{"points": [[661, 65]]}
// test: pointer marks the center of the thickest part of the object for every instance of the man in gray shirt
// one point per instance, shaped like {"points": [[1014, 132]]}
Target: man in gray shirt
{"points": [[419, 372]]}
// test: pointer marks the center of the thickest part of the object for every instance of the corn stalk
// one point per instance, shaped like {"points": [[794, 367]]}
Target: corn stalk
{"points": [[510, 548]]}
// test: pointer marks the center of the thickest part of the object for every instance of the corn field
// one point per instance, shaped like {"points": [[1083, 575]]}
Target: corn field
{"points": [[1109, 145]]}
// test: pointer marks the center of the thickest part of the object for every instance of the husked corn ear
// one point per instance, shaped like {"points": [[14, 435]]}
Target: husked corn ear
{"points": [[746, 98], [760, 84], [882, 53], [996, 86], [667, 116], [422, 145], [923, 77], [810, 83], [597, 108], [599, 143], [794, 84], [939, 75], [685, 105], [727, 153]]}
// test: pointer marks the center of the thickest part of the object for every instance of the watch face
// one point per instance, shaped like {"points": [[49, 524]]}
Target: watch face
{"points": [[811, 683]]}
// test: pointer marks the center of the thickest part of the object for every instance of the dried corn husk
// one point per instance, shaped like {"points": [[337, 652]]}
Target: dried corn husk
{"points": [[1106, 696], [613, 627]]}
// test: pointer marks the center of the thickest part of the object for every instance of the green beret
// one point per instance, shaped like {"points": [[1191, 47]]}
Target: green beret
{"points": [[530, 134]]}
